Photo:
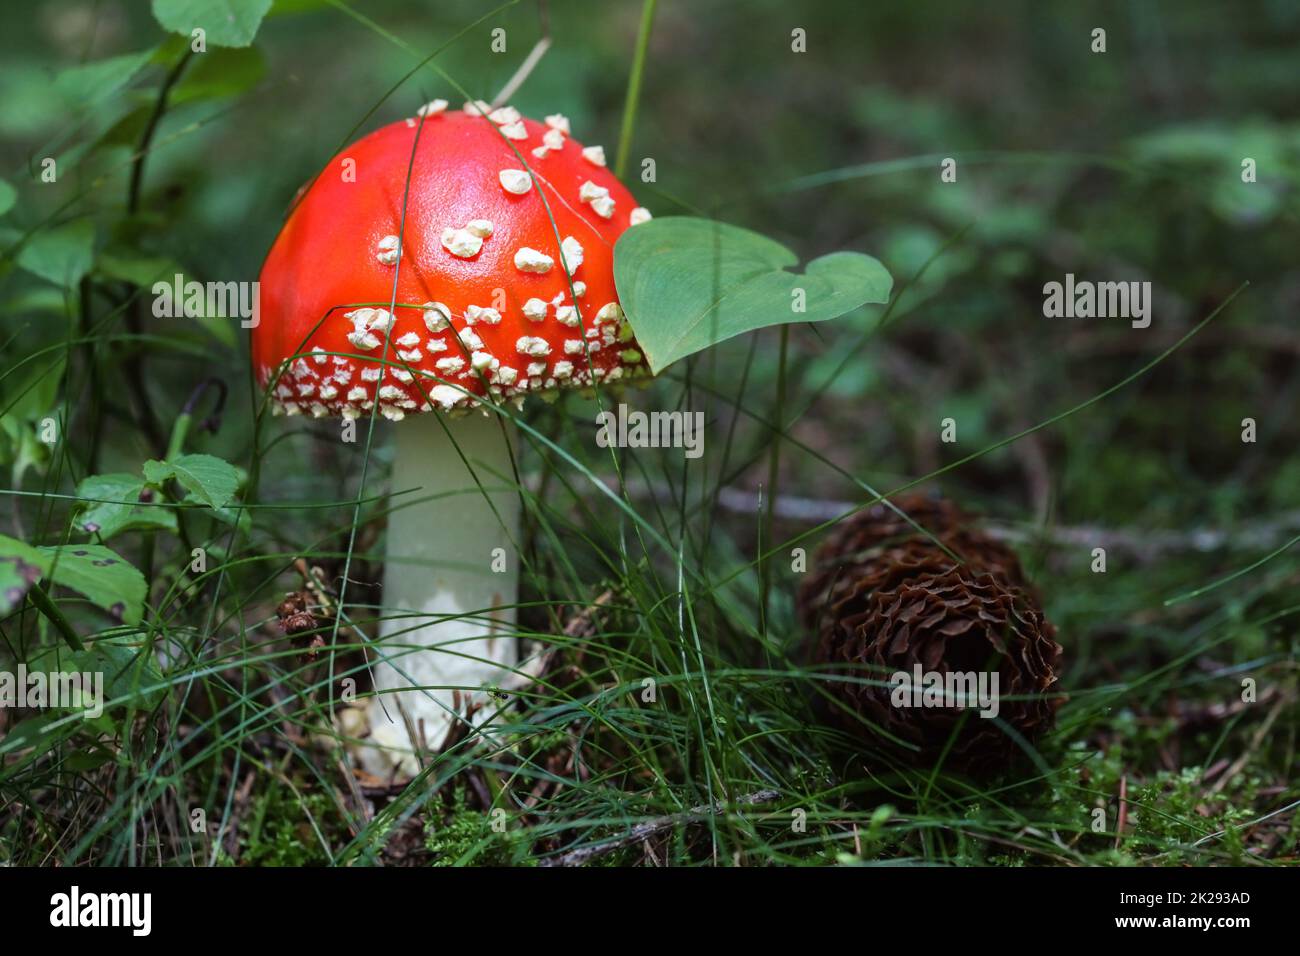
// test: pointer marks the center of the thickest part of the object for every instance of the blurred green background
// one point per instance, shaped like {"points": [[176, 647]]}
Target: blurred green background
{"points": [[1122, 165], [1127, 166]]}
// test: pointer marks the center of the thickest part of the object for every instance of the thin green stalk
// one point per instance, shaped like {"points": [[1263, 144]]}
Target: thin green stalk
{"points": [[773, 467], [634, 88], [46, 606], [133, 364]]}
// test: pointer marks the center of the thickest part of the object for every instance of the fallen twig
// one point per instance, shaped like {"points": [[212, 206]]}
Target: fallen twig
{"points": [[649, 828], [1145, 544]]}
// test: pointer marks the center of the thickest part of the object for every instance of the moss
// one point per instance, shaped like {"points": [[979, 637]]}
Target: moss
{"points": [[466, 836], [281, 832]]}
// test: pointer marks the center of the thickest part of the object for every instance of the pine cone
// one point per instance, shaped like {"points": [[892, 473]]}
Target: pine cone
{"points": [[884, 600], [878, 542]]}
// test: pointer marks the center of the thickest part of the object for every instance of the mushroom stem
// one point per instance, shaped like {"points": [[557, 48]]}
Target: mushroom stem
{"points": [[449, 593]]}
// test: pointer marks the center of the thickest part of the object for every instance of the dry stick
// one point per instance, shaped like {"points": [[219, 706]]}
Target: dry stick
{"points": [[530, 62], [1249, 823], [237, 811], [1145, 544], [773, 472], [648, 829], [135, 378], [1123, 810], [1258, 738]]}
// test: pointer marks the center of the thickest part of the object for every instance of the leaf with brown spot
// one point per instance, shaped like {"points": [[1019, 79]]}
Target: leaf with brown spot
{"points": [[21, 566]]}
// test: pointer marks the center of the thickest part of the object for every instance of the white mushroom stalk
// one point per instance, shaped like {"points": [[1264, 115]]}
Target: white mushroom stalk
{"points": [[450, 584]]}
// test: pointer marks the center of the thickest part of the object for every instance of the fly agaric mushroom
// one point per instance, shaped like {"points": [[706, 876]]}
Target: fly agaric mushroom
{"points": [[492, 302]]}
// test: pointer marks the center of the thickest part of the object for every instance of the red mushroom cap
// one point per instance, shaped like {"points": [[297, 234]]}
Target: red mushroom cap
{"points": [[484, 305]]}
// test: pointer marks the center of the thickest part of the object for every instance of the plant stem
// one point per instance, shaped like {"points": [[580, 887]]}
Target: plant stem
{"points": [[133, 364], [46, 606], [95, 414], [634, 87], [142, 148], [185, 420], [773, 466], [530, 62]]}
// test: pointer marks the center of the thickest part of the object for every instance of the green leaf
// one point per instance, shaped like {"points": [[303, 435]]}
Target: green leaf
{"points": [[33, 733], [224, 22], [285, 7], [130, 672], [23, 407], [211, 480], [127, 130], [95, 755], [113, 509], [144, 270], [686, 284], [21, 566], [137, 267], [91, 83], [37, 393], [220, 73], [61, 255], [103, 576], [238, 518], [8, 196]]}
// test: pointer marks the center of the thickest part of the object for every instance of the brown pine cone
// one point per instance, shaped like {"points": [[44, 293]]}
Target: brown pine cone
{"points": [[883, 600], [947, 623], [878, 541]]}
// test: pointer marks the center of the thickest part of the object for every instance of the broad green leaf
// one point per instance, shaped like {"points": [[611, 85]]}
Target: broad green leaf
{"points": [[35, 736], [145, 270], [224, 22], [8, 196], [24, 406], [22, 448], [112, 507], [285, 7], [110, 498], [137, 267], [127, 130], [103, 576], [221, 73], [32, 107], [240, 518], [95, 755], [21, 566], [37, 298], [36, 394], [171, 50], [1221, 148], [61, 255], [130, 672], [211, 480], [90, 83], [686, 284]]}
